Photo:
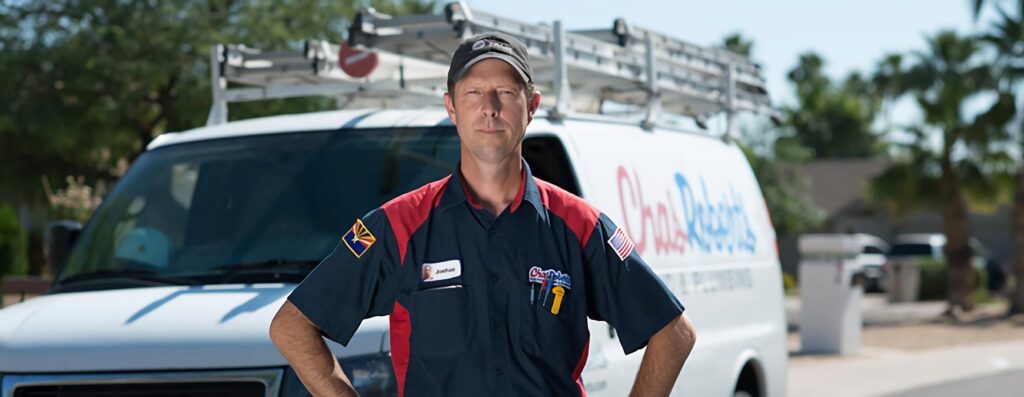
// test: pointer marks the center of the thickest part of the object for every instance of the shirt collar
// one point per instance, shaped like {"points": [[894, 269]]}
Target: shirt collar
{"points": [[456, 192]]}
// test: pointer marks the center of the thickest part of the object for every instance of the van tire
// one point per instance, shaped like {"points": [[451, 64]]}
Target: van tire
{"points": [[749, 383]]}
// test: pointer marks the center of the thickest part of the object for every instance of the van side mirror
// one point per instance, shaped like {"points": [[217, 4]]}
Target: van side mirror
{"points": [[60, 237]]}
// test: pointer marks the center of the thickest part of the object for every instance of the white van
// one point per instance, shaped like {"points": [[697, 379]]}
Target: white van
{"points": [[171, 285]]}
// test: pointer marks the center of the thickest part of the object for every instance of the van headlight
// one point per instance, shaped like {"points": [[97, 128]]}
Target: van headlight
{"points": [[371, 375]]}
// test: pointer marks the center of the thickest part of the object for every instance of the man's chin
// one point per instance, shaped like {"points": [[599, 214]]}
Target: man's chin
{"points": [[492, 155]]}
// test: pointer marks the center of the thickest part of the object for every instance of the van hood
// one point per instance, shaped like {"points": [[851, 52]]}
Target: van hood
{"points": [[160, 328]]}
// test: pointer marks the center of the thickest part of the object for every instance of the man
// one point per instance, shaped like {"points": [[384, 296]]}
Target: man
{"points": [[516, 267]]}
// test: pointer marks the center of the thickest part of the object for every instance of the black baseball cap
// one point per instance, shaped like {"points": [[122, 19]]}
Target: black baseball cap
{"points": [[489, 45]]}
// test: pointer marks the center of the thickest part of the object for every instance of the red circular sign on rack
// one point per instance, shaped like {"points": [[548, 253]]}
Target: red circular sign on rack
{"points": [[356, 63]]}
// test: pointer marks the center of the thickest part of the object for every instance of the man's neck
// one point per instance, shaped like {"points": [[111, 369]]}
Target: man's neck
{"points": [[493, 185]]}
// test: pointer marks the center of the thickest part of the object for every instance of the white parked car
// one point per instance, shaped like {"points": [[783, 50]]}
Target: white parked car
{"points": [[918, 247], [871, 260]]}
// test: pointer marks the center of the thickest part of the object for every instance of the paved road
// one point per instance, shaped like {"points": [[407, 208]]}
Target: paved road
{"points": [[1008, 384]]}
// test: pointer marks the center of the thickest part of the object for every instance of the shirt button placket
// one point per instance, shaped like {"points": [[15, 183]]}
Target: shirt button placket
{"points": [[498, 309]]}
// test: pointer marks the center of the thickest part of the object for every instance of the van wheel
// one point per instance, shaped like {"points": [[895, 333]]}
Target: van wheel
{"points": [[748, 384]]}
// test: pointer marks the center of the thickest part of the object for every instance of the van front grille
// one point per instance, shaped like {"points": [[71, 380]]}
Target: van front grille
{"points": [[256, 382], [175, 389]]}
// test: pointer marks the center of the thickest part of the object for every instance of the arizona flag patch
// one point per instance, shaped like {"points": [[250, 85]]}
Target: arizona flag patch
{"points": [[358, 239], [621, 244]]}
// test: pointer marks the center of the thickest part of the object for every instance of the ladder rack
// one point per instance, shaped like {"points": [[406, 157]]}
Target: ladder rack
{"points": [[583, 69]]}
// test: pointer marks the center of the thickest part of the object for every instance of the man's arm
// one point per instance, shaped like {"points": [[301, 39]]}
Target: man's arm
{"points": [[303, 346], [664, 358]]}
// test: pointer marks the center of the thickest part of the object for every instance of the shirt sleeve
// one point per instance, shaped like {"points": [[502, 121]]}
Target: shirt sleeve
{"points": [[357, 280], [623, 290]]}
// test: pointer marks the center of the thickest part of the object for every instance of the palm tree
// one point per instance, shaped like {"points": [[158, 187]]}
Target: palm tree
{"points": [[943, 78], [1007, 36]]}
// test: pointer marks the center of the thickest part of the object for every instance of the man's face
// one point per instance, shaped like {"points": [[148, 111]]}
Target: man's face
{"points": [[491, 110]]}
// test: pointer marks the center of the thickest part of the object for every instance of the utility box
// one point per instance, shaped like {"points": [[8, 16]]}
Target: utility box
{"points": [[831, 291], [904, 281]]}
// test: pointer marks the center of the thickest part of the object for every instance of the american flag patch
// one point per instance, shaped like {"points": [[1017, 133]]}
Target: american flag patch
{"points": [[621, 244]]}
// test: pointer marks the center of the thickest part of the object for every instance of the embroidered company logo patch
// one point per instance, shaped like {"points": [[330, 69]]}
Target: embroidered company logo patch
{"points": [[358, 239], [442, 270], [621, 244], [550, 282]]}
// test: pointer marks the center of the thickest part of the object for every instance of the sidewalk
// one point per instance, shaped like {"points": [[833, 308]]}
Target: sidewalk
{"points": [[908, 351], [880, 372]]}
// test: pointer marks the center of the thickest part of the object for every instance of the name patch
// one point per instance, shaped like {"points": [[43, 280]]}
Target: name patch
{"points": [[442, 270]]}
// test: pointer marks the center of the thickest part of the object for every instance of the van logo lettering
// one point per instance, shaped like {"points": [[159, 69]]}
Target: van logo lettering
{"points": [[709, 223], [715, 224], [660, 218]]}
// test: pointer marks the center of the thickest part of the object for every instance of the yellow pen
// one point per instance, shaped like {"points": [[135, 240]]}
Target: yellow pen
{"points": [[557, 304]]}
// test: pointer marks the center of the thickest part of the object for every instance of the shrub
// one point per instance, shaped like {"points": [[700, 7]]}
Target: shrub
{"points": [[13, 244], [789, 284], [935, 283]]}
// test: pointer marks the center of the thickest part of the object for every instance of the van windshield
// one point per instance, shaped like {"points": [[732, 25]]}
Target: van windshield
{"points": [[263, 208]]}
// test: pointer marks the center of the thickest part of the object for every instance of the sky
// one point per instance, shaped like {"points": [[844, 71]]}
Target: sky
{"points": [[849, 35]]}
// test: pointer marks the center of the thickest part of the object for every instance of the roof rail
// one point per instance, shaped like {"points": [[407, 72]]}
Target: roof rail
{"points": [[403, 61]]}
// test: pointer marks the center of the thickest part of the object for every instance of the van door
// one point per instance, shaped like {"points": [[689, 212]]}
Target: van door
{"points": [[692, 206], [549, 161]]}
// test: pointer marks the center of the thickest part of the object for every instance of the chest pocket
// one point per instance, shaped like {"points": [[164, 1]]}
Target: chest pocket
{"points": [[543, 333], [440, 321]]}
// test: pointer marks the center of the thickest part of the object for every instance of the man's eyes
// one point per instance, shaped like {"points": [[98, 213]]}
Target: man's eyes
{"points": [[501, 92]]}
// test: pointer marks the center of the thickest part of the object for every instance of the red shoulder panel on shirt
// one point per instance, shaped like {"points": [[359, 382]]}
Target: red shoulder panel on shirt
{"points": [[407, 212], [574, 211]]}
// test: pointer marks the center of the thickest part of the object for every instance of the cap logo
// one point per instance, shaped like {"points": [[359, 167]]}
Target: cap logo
{"points": [[493, 44]]}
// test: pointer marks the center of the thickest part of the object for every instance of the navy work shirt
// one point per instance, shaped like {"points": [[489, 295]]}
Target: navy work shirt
{"points": [[484, 304]]}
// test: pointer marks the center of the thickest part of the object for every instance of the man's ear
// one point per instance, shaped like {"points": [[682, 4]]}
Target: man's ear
{"points": [[449, 105], [532, 105]]}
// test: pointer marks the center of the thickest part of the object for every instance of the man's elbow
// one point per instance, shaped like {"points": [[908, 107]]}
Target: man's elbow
{"points": [[687, 333], [276, 327], [679, 334], [284, 324]]}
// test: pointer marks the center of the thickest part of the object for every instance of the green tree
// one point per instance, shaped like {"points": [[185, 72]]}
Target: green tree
{"points": [[1006, 35], [773, 158], [90, 83], [833, 121], [941, 79]]}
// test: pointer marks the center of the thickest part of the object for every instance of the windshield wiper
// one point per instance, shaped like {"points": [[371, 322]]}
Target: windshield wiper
{"points": [[130, 276], [275, 268]]}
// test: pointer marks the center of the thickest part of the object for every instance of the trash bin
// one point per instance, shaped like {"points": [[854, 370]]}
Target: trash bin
{"points": [[904, 281], [831, 290]]}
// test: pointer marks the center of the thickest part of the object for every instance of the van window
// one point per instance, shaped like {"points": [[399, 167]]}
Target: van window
{"points": [[911, 249], [871, 249], [191, 209], [548, 161]]}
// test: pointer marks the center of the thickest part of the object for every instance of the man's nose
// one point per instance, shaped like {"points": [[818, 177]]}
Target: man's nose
{"points": [[491, 104]]}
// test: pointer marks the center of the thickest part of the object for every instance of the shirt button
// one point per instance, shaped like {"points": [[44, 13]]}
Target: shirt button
{"points": [[491, 232], [494, 277], [500, 372]]}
